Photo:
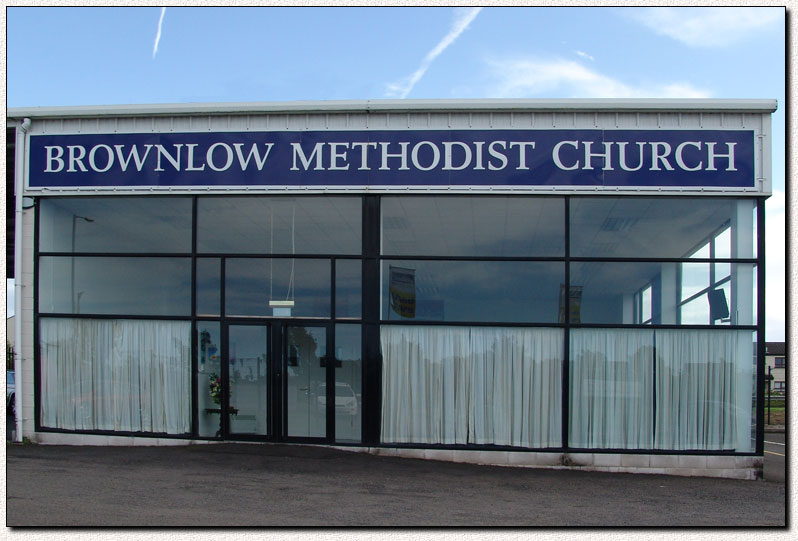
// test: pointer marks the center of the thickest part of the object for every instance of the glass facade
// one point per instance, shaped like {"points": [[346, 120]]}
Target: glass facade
{"points": [[533, 322]]}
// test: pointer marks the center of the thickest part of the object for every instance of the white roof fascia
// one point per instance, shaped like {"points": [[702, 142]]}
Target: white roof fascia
{"points": [[405, 106]]}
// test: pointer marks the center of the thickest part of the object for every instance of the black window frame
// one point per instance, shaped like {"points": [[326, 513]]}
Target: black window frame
{"points": [[371, 260]]}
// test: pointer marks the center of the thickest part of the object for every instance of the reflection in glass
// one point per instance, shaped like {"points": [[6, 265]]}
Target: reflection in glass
{"points": [[253, 283], [611, 381], [209, 373], [611, 293], [306, 352], [248, 376], [722, 244], [115, 285], [348, 383], [473, 226], [348, 288], [659, 226], [704, 390], [497, 291], [125, 375], [279, 225], [693, 391], [695, 278], [115, 224], [472, 385], [208, 286]]}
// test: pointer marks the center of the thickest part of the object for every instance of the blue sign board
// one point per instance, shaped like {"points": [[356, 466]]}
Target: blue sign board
{"points": [[457, 158]]}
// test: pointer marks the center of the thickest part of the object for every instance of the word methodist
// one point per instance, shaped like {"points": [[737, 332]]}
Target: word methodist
{"points": [[616, 158]]}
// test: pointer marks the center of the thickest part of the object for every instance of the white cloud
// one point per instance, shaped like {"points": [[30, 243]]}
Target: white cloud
{"points": [[583, 54], [10, 292], [158, 35], [707, 26], [531, 77], [463, 18], [775, 266]]}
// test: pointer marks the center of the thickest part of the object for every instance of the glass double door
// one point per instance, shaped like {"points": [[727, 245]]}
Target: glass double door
{"points": [[276, 381]]}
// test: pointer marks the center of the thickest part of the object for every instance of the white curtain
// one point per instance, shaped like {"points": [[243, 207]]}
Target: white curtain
{"points": [[704, 390], [481, 385], [611, 382], [121, 375]]}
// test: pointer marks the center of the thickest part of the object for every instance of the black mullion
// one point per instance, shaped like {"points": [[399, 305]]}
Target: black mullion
{"points": [[330, 363], [223, 367], [117, 254], [282, 377], [331, 358], [194, 336], [565, 378], [37, 354], [67, 315], [661, 259], [239, 255], [468, 258], [760, 339], [224, 421], [654, 390], [560, 325], [370, 337]]}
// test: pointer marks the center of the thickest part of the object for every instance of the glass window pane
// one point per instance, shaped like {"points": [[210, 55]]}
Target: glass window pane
{"points": [[606, 292], [695, 312], [115, 285], [723, 244], [611, 384], [209, 286], [472, 385], [115, 224], [348, 383], [495, 291], [279, 225], [473, 226], [695, 391], [306, 387], [348, 288], [209, 374], [695, 278], [722, 270], [705, 390], [647, 227], [248, 378], [277, 287], [646, 305], [124, 375]]}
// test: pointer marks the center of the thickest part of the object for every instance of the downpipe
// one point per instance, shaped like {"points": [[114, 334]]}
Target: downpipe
{"points": [[19, 175]]}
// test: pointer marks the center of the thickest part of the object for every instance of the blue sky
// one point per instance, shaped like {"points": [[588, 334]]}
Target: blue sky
{"points": [[94, 56]]}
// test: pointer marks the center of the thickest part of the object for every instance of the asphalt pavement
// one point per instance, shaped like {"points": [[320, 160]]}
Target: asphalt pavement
{"points": [[267, 485], [775, 457]]}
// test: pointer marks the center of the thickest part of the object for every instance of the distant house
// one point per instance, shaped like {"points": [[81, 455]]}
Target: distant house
{"points": [[776, 364]]}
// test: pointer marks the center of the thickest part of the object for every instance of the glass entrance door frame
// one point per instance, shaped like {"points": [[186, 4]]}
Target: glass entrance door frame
{"points": [[279, 371]]}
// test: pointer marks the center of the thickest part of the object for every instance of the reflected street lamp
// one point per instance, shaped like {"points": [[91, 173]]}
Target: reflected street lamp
{"points": [[75, 218]]}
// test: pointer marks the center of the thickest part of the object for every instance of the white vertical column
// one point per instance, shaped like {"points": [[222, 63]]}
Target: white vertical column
{"points": [[669, 293], [628, 308], [742, 276]]}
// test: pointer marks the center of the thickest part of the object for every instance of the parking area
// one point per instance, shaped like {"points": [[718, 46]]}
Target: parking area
{"points": [[775, 457], [293, 485]]}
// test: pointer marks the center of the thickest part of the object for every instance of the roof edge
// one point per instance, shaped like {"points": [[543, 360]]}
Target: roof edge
{"points": [[402, 106]]}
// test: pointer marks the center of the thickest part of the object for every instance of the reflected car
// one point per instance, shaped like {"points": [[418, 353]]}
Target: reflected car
{"points": [[345, 399], [10, 388]]}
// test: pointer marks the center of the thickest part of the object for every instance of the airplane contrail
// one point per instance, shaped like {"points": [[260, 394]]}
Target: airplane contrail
{"points": [[459, 25], [158, 35]]}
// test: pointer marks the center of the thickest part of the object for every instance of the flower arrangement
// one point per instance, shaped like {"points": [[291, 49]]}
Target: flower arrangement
{"points": [[216, 388]]}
